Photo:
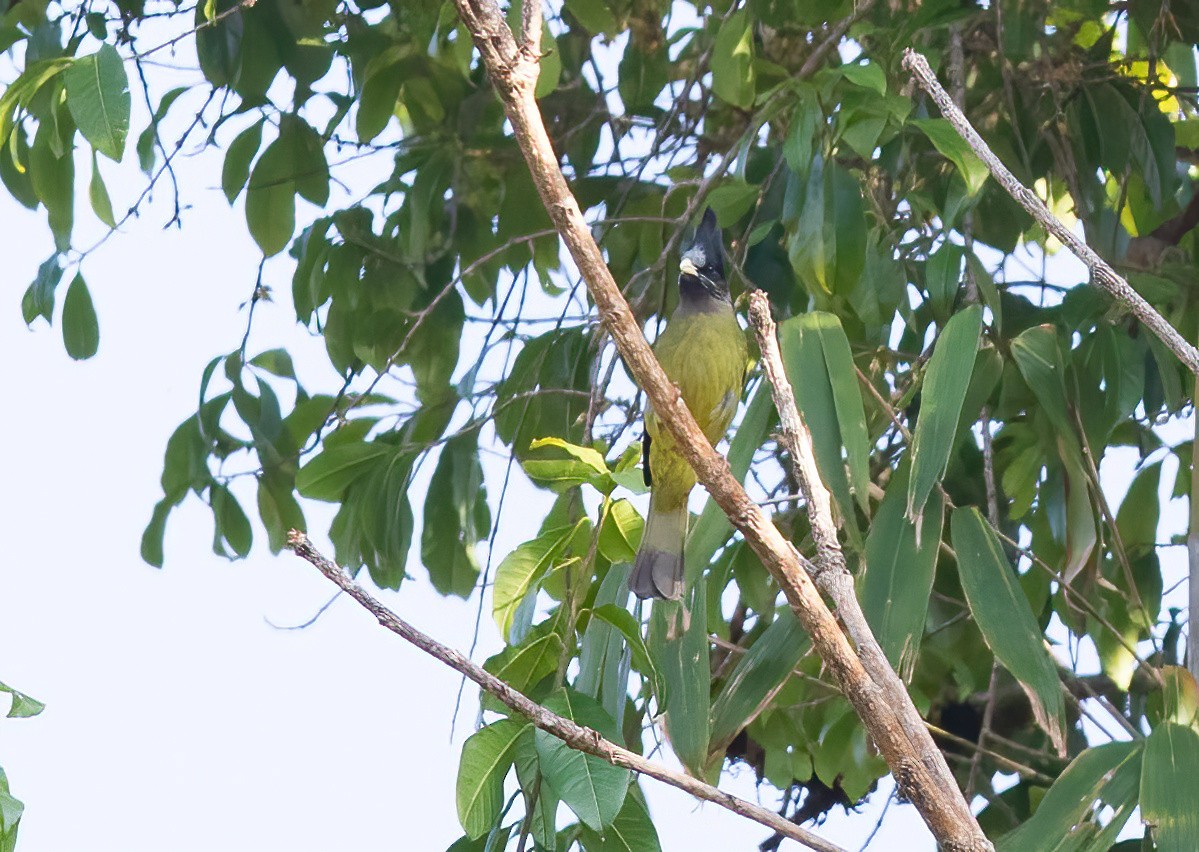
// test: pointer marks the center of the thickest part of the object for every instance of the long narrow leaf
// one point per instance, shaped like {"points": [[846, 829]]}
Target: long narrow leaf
{"points": [[756, 678], [899, 573], [1006, 620], [1109, 774], [944, 392], [1170, 787]]}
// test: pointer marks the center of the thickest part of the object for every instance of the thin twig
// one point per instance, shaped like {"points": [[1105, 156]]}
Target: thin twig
{"points": [[577, 737], [1102, 273]]}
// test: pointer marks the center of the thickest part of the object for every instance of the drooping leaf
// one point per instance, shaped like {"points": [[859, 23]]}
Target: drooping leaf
{"points": [[593, 788], [1109, 774], [895, 590], [941, 133], [945, 384], [486, 758], [628, 627], [236, 169], [97, 193], [631, 831], [756, 679], [1006, 621], [98, 98], [732, 61], [80, 327], [522, 569], [1170, 787]]}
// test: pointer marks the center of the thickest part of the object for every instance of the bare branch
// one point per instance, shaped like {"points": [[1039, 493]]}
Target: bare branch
{"points": [[1102, 273], [577, 737], [923, 778], [832, 575]]}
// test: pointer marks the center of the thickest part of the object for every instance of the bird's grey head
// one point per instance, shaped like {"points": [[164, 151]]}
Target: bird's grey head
{"points": [[701, 268]]}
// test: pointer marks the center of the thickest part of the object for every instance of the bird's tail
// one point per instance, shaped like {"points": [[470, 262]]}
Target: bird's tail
{"points": [[658, 569]]}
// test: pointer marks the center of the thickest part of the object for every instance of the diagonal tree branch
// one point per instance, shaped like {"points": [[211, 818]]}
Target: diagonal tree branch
{"points": [[574, 735], [923, 778], [1102, 273], [832, 575]]}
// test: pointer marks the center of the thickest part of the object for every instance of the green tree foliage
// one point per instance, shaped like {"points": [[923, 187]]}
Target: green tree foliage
{"points": [[921, 310]]}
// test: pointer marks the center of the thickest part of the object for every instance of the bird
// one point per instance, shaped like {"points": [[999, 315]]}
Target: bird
{"points": [[703, 351]]}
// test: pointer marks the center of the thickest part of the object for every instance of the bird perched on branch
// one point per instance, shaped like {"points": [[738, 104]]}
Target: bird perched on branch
{"points": [[702, 349]]}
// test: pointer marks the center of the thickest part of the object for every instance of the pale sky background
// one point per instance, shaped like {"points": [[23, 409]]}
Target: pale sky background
{"points": [[177, 718]]}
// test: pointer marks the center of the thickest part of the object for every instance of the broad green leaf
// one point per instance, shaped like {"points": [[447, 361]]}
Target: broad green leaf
{"points": [[97, 193], [604, 663], [11, 809], [898, 580], [456, 517], [80, 328], [328, 474], [944, 392], [733, 61], [38, 300], [544, 811], [23, 706], [755, 680], [522, 569], [620, 532], [236, 169], [1039, 360], [380, 91], [271, 201], [232, 527], [1170, 787], [954, 148], [53, 177], [732, 200], [486, 759], [1005, 619], [631, 831], [583, 465], [151, 545], [20, 91], [279, 510], [98, 98], [524, 666], [1064, 820], [594, 15], [593, 788]]}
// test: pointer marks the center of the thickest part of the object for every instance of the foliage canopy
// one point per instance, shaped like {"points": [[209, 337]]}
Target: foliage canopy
{"points": [[962, 383]]}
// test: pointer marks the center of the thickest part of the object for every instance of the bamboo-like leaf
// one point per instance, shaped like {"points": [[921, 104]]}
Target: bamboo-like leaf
{"points": [[810, 374], [1006, 621], [899, 573], [1170, 787], [603, 666], [1064, 820], [755, 680], [624, 622], [486, 758], [944, 392]]}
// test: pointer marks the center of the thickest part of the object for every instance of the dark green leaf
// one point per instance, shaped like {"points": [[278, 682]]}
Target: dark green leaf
{"points": [[945, 384], [233, 530], [98, 195], [38, 300], [236, 170], [593, 788], [899, 573], [624, 622], [98, 97], [631, 831], [733, 61], [954, 148], [80, 328], [327, 476], [1006, 621]]}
